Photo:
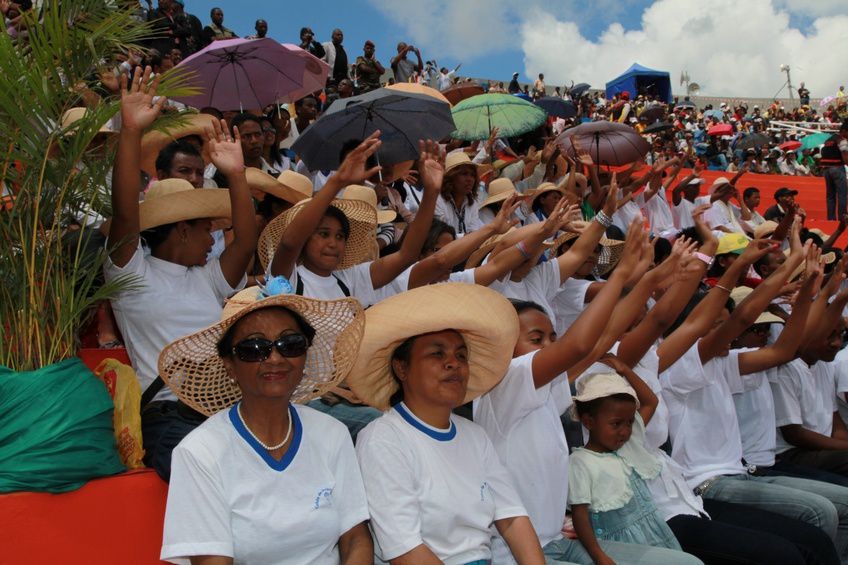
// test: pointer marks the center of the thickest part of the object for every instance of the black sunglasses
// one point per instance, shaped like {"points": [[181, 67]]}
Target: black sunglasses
{"points": [[256, 349]]}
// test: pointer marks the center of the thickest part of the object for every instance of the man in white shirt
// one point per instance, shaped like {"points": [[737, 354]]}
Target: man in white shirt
{"points": [[445, 78], [720, 216]]}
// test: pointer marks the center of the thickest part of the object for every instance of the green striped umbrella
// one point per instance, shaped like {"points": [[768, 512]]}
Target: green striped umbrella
{"points": [[476, 116], [814, 140]]}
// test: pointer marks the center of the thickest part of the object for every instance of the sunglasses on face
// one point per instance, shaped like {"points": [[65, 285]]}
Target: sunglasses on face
{"points": [[257, 349]]}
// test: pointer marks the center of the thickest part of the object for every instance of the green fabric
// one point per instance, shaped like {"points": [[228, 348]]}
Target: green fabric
{"points": [[55, 429], [814, 140], [476, 116]]}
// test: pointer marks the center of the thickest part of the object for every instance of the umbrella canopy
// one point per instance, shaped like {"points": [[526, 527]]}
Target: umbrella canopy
{"points": [[789, 146], [579, 89], [461, 91], [717, 114], [416, 88], [685, 105], [652, 114], [523, 96], [403, 118], [658, 126], [720, 129], [246, 73], [557, 107], [826, 101], [608, 143], [814, 140], [513, 116], [314, 75], [753, 141]]}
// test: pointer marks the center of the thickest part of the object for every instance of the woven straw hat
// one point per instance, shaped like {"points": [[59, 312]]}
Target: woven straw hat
{"points": [[289, 186], [367, 194], [361, 244], [480, 253], [499, 190], [542, 189], [765, 229], [458, 159], [154, 141], [176, 200], [826, 259], [740, 293], [485, 319], [611, 250], [192, 368], [73, 115]]}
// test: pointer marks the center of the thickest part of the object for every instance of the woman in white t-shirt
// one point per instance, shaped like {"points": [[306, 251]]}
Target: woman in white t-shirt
{"points": [[457, 203], [264, 479], [434, 483], [326, 247], [178, 291]]}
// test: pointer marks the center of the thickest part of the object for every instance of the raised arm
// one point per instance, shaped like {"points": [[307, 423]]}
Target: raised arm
{"points": [[351, 171], [138, 112], [226, 154], [648, 401], [431, 169]]}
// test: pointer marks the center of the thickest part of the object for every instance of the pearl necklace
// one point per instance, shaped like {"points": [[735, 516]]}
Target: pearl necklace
{"points": [[259, 441]]}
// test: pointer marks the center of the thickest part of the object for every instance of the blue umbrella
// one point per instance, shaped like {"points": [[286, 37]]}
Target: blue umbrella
{"points": [[717, 114], [557, 107], [523, 96]]}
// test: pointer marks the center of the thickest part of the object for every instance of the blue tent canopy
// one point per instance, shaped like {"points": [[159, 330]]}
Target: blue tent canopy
{"points": [[641, 80]]}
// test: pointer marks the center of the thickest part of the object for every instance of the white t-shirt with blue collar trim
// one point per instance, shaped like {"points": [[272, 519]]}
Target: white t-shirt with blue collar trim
{"points": [[228, 496], [440, 487]]}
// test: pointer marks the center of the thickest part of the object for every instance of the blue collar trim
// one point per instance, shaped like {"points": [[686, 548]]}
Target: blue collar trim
{"points": [[420, 426], [276, 465]]}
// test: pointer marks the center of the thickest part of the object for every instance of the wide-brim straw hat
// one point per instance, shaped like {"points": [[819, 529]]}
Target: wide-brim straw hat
{"points": [[176, 200], [153, 142], [458, 159], [486, 320], [368, 195], [480, 253], [361, 245], [611, 250], [826, 259], [764, 229], [499, 190], [73, 115], [289, 185], [192, 368], [740, 293], [718, 183], [601, 385], [543, 189]]}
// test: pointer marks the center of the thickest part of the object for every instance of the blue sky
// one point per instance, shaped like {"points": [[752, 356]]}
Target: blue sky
{"points": [[730, 48]]}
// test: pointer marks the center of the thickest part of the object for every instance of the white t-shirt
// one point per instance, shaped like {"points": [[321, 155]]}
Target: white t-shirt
{"points": [[569, 303], [540, 286], [755, 414], [658, 212], [171, 301], [229, 497], [841, 371], [803, 395], [702, 420], [623, 217], [721, 214], [446, 212], [440, 487], [524, 425], [401, 282], [357, 279], [682, 214]]}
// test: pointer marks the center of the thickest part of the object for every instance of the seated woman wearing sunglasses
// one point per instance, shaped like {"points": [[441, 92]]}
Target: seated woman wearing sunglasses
{"points": [[264, 480]]}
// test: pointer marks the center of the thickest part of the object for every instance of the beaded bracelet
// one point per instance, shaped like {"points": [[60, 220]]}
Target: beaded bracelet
{"points": [[703, 257], [602, 218], [523, 250]]}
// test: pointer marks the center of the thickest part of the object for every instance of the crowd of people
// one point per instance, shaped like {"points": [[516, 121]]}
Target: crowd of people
{"points": [[501, 352]]}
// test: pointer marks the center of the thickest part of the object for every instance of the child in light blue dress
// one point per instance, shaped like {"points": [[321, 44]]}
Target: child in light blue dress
{"points": [[607, 492]]}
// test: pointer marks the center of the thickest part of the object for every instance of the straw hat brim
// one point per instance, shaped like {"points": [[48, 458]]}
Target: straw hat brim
{"points": [[479, 166], [154, 141], [192, 368], [386, 216], [268, 184], [497, 198], [485, 319], [480, 253], [361, 245], [185, 205], [538, 192]]}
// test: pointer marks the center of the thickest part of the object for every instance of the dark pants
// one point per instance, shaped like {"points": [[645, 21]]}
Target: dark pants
{"points": [[836, 191], [790, 469], [164, 424], [824, 460], [739, 534]]}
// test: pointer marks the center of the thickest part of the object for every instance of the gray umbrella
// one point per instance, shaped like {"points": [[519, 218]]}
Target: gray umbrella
{"points": [[608, 143], [752, 141], [403, 118]]}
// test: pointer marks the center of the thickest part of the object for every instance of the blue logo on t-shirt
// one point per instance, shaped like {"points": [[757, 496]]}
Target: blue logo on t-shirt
{"points": [[324, 498]]}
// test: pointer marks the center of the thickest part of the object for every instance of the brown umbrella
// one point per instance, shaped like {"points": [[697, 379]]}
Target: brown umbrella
{"points": [[462, 90], [608, 143]]}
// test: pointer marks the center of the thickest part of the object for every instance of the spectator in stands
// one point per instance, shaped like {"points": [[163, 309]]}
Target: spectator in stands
{"points": [[403, 68], [445, 77], [834, 161], [345, 88], [785, 202], [336, 56], [368, 69], [308, 43], [216, 31], [514, 87], [789, 165], [194, 42], [261, 28], [803, 95], [172, 29], [539, 86]]}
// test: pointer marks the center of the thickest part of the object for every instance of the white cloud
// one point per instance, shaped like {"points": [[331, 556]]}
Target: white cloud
{"points": [[730, 48]]}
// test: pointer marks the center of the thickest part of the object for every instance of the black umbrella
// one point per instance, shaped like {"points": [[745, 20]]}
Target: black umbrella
{"points": [[658, 126], [652, 114], [752, 141], [403, 118], [685, 105], [557, 107], [579, 89], [608, 143]]}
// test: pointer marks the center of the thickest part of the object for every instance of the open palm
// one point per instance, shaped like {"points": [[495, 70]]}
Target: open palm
{"points": [[137, 108]]}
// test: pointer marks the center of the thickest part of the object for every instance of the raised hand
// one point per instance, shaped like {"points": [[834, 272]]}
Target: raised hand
{"points": [[581, 154], [756, 249], [225, 149], [138, 111], [505, 218], [353, 169], [549, 151], [611, 202], [556, 217], [633, 248], [431, 165]]}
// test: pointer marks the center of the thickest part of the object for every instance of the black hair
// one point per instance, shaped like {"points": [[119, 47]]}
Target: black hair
{"points": [[155, 236], [662, 249], [807, 234], [265, 207], [691, 233], [749, 191], [437, 228], [154, 58], [165, 159], [304, 30], [212, 11], [591, 407], [730, 305], [300, 102], [352, 144], [844, 126], [761, 262], [523, 305], [334, 212], [225, 344], [212, 111], [402, 353], [716, 268], [242, 118]]}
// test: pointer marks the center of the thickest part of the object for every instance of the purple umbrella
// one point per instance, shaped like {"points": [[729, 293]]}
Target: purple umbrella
{"points": [[234, 74], [314, 75], [608, 143]]}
